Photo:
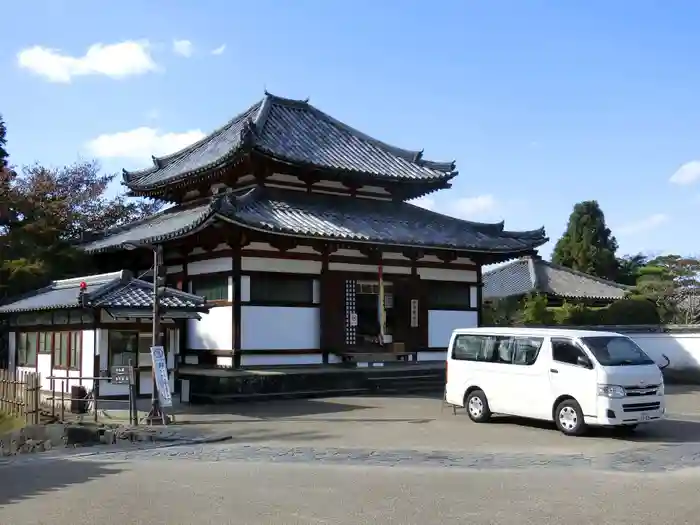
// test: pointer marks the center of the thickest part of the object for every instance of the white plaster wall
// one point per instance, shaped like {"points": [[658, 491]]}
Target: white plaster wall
{"points": [[441, 323], [438, 274], [281, 359], [213, 331], [12, 349], [279, 328], [682, 349], [43, 362], [220, 264], [260, 264], [370, 268], [88, 360]]}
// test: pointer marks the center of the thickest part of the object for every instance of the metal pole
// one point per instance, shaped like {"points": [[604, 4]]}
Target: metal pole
{"points": [[156, 412]]}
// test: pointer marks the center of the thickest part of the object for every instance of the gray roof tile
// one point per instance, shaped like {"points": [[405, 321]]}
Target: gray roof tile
{"points": [[172, 223], [532, 274], [109, 290], [295, 131], [328, 217], [342, 218]]}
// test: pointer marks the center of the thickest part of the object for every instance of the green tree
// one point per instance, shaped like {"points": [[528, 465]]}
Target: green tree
{"points": [[588, 244], [45, 211], [3, 143], [506, 311], [672, 282], [630, 267], [535, 311]]}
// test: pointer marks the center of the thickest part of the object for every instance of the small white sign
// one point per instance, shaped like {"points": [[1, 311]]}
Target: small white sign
{"points": [[160, 369], [388, 300], [414, 313], [353, 318]]}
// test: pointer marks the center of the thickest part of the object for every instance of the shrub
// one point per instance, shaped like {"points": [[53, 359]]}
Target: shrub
{"points": [[631, 311]]}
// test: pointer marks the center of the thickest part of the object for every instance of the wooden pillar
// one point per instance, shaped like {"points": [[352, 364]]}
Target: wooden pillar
{"points": [[236, 310], [324, 283], [479, 296], [184, 285]]}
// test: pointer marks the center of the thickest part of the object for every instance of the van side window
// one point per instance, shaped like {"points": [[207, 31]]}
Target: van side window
{"points": [[518, 350], [526, 350], [565, 351]]}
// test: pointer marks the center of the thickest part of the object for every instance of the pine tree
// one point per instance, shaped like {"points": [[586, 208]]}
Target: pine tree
{"points": [[587, 245]]}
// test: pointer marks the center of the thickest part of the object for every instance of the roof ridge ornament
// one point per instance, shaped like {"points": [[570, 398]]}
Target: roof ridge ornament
{"points": [[248, 132]]}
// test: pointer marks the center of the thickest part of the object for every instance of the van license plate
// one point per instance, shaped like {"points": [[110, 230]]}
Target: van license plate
{"points": [[644, 417]]}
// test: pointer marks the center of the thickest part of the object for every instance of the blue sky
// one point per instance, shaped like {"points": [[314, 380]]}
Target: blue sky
{"points": [[541, 103]]}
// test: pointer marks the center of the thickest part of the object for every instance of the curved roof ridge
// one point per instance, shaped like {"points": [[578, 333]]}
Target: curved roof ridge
{"points": [[206, 213], [159, 162], [506, 266], [413, 156], [491, 227], [587, 275], [538, 232]]}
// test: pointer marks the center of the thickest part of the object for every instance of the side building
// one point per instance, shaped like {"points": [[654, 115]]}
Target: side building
{"points": [[74, 331], [297, 230]]}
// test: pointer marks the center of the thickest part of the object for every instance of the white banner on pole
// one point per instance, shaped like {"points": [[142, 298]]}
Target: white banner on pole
{"points": [[160, 369]]}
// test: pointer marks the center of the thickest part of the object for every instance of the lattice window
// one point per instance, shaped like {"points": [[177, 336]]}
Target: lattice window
{"points": [[350, 312]]}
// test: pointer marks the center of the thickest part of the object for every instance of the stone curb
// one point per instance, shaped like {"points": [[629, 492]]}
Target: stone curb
{"points": [[107, 450]]}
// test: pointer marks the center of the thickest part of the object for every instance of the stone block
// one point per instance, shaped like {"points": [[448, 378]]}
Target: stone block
{"points": [[82, 435]]}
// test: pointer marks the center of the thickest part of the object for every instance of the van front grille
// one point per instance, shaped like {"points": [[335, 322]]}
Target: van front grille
{"points": [[638, 391], [641, 407]]}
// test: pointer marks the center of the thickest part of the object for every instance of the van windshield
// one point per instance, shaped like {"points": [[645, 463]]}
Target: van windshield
{"points": [[616, 351]]}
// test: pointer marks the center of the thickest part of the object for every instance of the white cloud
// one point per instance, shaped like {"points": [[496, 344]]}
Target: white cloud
{"points": [[183, 48], [424, 202], [117, 61], [643, 225], [141, 143], [481, 206], [688, 173], [474, 207], [219, 50]]}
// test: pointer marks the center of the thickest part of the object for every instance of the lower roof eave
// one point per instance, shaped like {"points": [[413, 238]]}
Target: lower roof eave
{"points": [[506, 254]]}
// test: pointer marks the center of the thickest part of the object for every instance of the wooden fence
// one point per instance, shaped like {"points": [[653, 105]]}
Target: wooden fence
{"points": [[19, 395]]}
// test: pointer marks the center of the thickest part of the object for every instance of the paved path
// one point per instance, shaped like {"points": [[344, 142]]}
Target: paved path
{"points": [[371, 460]]}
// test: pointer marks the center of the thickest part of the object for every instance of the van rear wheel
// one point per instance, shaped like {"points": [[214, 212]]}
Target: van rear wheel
{"points": [[477, 406], [568, 417]]}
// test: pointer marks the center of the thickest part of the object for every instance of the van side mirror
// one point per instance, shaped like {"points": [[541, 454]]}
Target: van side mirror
{"points": [[584, 362]]}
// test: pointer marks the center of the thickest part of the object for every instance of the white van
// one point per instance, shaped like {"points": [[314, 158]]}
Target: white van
{"points": [[574, 377]]}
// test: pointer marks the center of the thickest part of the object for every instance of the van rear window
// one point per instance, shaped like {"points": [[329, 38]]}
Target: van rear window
{"points": [[517, 350]]}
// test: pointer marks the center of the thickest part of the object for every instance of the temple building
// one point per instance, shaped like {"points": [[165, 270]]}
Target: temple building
{"points": [[296, 229]]}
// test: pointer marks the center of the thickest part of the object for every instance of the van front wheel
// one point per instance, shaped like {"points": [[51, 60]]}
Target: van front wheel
{"points": [[477, 407], [568, 417]]}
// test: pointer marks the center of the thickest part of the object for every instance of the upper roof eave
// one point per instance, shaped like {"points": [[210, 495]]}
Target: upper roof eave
{"points": [[253, 121]]}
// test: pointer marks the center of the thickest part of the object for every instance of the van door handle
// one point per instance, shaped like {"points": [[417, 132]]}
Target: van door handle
{"points": [[554, 370]]}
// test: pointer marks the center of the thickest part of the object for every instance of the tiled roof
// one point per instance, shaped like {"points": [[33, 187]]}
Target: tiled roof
{"points": [[339, 218], [292, 131], [364, 220], [109, 290], [172, 223], [532, 274]]}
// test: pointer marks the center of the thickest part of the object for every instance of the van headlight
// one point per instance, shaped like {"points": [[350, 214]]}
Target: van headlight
{"points": [[612, 391]]}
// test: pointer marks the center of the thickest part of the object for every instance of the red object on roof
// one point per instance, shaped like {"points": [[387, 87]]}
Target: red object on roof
{"points": [[83, 285]]}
